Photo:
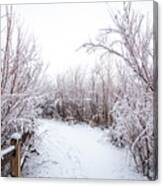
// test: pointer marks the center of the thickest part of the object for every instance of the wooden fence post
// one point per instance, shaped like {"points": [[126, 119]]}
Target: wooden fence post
{"points": [[16, 159]]}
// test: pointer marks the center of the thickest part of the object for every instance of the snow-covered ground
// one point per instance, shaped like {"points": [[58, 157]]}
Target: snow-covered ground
{"points": [[76, 151]]}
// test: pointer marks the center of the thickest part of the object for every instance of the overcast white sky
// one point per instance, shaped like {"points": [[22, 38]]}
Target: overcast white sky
{"points": [[61, 28]]}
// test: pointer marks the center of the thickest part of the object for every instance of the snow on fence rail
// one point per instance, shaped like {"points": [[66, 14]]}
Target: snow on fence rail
{"points": [[7, 151], [14, 155]]}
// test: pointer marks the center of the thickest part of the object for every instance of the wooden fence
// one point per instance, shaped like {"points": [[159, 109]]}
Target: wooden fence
{"points": [[14, 155]]}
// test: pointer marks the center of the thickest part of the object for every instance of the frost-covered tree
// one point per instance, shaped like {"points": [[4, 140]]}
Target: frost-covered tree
{"points": [[21, 68], [131, 40]]}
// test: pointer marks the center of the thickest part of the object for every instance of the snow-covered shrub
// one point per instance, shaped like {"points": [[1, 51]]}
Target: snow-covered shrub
{"points": [[134, 128], [116, 136], [46, 107]]}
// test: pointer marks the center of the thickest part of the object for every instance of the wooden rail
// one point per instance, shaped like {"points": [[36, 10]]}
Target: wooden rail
{"points": [[13, 154]]}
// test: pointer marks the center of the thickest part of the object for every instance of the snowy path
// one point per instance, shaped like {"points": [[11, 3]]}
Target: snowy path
{"points": [[76, 151]]}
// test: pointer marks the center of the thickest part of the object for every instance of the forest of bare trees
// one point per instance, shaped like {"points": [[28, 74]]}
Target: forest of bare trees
{"points": [[116, 94]]}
